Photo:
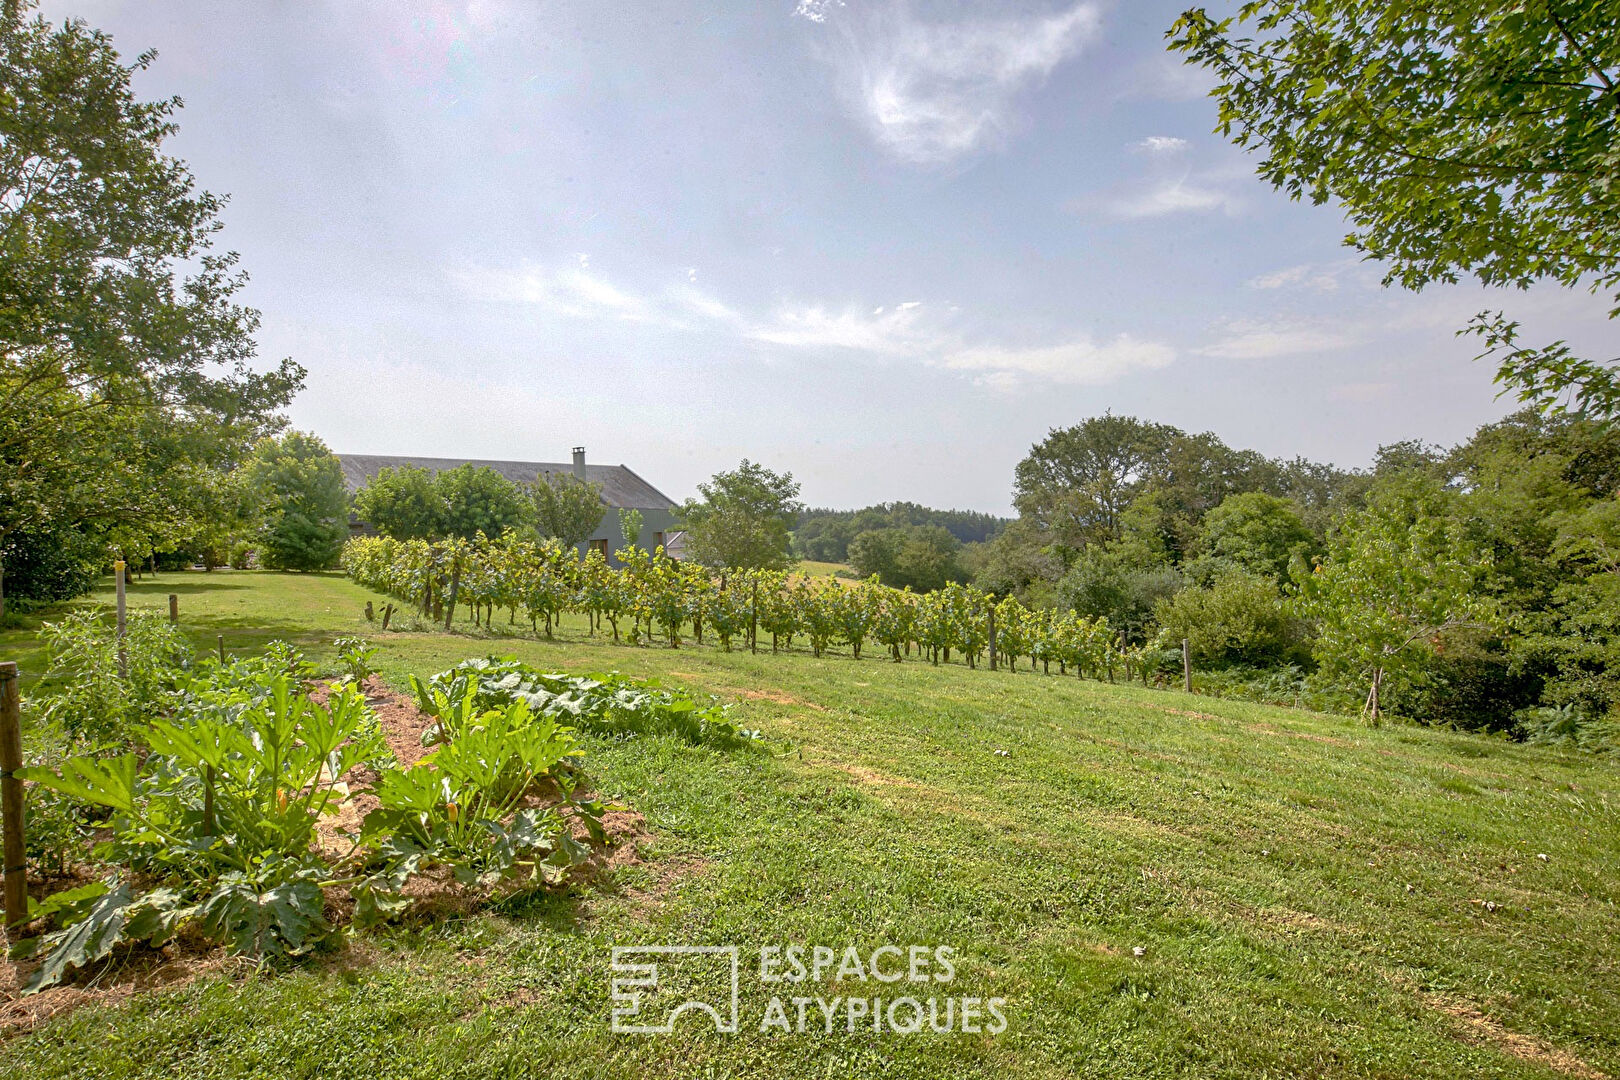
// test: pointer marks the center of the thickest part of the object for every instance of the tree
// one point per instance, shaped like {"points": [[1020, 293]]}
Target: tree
{"points": [[1258, 532], [121, 381], [1398, 575], [402, 502], [1238, 619], [298, 483], [1076, 484], [565, 507], [1474, 139], [630, 526], [743, 520], [477, 499]]}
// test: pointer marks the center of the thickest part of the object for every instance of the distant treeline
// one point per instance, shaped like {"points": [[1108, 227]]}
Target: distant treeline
{"points": [[824, 534]]}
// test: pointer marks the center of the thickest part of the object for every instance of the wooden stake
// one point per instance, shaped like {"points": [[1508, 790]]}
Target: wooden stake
{"points": [[11, 797], [1186, 666], [992, 613], [222, 648], [455, 586], [370, 615], [118, 585], [388, 613], [174, 608]]}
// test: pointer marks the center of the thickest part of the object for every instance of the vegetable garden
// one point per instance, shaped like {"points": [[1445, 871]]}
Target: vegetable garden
{"points": [[654, 598], [253, 804]]}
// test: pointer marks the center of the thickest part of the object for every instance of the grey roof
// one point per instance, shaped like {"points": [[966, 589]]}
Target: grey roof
{"points": [[620, 486]]}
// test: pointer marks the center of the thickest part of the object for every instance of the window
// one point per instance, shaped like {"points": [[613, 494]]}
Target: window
{"points": [[658, 539], [599, 545]]}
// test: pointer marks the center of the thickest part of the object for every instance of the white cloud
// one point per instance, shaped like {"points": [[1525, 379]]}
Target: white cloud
{"points": [[1243, 340], [932, 92], [816, 11], [568, 291], [1169, 197], [909, 330], [1078, 362], [1160, 144], [889, 333], [1304, 276]]}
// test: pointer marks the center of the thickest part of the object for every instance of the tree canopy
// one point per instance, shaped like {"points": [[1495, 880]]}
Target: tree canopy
{"points": [[298, 484], [127, 382], [565, 507], [1477, 139], [743, 520]]}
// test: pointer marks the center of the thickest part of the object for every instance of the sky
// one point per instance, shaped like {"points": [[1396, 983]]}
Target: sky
{"points": [[884, 246]]}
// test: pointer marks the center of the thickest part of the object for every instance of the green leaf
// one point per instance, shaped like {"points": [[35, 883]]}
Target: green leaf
{"points": [[90, 939]]}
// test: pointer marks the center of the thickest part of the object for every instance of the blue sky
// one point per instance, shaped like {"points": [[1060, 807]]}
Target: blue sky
{"points": [[885, 246]]}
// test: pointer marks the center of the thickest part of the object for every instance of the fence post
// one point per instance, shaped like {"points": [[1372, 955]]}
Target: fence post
{"points": [[992, 614], [222, 648], [11, 796], [118, 585], [174, 608], [1186, 666]]}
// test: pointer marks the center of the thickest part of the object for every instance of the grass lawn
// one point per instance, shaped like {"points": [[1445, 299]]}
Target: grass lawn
{"points": [[1311, 897], [811, 568]]}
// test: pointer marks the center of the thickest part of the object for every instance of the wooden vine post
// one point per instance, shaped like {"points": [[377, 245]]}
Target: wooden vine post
{"points": [[1186, 666], [11, 796], [991, 612], [118, 586], [222, 648], [174, 608], [455, 587]]}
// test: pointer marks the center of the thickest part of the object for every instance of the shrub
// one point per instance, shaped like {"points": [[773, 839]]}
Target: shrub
{"points": [[92, 703]]}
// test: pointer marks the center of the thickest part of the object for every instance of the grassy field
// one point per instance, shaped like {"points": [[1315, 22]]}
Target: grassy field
{"points": [[1310, 897], [811, 568]]}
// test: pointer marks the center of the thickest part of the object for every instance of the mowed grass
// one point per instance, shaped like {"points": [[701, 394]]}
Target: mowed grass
{"points": [[1312, 897]]}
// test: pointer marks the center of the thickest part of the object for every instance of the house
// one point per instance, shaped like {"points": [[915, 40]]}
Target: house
{"points": [[622, 489]]}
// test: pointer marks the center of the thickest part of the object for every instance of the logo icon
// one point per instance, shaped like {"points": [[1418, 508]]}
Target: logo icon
{"points": [[636, 976]]}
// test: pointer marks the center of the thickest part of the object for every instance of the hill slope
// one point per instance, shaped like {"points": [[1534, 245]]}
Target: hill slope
{"points": [[1311, 897]]}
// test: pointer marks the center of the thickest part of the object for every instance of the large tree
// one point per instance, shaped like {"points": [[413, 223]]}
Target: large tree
{"points": [[1398, 576], [477, 499], [298, 484], [743, 520], [125, 365], [1478, 139], [565, 507], [1077, 482], [401, 502]]}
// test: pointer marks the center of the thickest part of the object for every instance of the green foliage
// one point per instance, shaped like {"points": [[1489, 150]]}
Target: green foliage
{"points": [[1397, 576], [565, 508], [402, 502], [1258, 532], [127, 388], [824, 535], [355, 655], [1238, 619], [611, 705], [89, 701], [1477, 139], [920, 557], [298, 483], [743, 520], [477, 499], [1100, 585], [630, 526]]}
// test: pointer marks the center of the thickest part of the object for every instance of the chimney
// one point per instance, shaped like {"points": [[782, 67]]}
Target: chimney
{"points": [[579, 462]]}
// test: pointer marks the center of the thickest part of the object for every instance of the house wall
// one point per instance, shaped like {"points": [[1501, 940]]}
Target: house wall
{"points": [[653, 520]]}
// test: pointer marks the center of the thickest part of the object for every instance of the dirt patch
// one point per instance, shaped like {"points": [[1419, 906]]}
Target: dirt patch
{"points": [[1266, 729], [1480, 1030], [139, 971], [775, 697], [1185, 712], [645, 899], [881, 779]]}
